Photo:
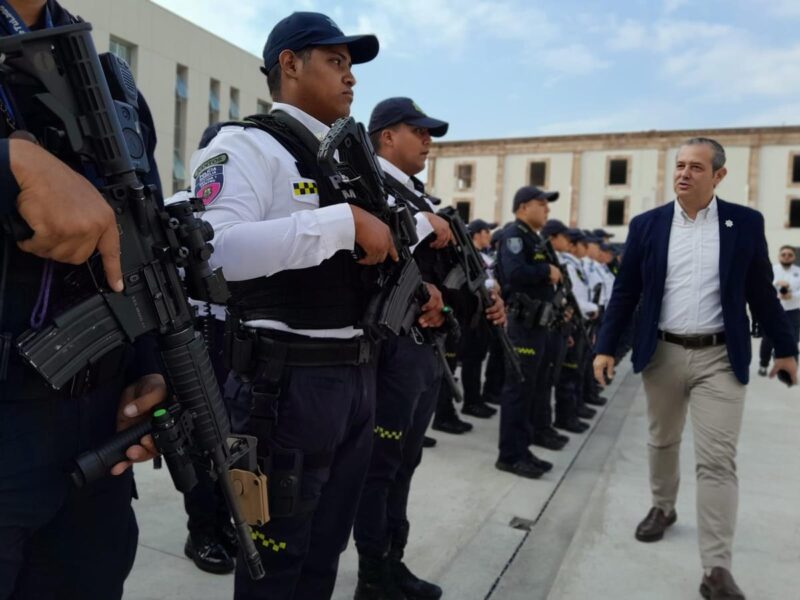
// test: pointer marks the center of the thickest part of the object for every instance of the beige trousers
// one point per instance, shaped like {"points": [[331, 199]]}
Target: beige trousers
{"points": [[702, 381]]}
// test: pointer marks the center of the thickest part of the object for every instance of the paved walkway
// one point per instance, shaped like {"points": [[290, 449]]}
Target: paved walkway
{"points": [[573, 533]]}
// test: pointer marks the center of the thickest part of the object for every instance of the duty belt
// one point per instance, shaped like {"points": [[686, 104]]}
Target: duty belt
{"points": [[532, 312], [693, 341], [296, 351]]}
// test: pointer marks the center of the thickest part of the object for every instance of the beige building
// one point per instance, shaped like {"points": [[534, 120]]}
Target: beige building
{"points": [[607, 179], [190, 77]]}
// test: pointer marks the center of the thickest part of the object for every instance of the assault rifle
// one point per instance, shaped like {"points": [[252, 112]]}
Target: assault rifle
{"points": [[564, 300], [91, 105], [357, 178], [475, 273]]}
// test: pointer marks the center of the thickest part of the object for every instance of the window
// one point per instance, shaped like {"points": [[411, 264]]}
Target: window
{"points": [[464, 208], [794, 212], [213, 102], [464, 177], [262, 107], [615, 212], [795, 168], [124, 50], [233, 107], [618, 171], [179, 134], [537, 173]]}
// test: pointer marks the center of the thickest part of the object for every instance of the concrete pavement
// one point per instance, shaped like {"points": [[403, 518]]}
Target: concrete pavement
{"points": [[573, 529]]}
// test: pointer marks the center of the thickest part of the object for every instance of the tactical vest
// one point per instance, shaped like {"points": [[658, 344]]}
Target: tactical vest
{"points": [[330, 295]]}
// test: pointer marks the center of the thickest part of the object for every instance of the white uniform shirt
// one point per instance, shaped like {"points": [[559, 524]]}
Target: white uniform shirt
{"points": [[792, 277], [266, 217], [691, 304], [608, 284], [594, 278], [580, 287], [424, 227]]}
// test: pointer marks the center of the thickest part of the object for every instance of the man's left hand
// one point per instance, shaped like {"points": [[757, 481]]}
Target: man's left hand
{"points": [[788, 364], [496, 313], [134, 406], [432, 315], [441, 229]]}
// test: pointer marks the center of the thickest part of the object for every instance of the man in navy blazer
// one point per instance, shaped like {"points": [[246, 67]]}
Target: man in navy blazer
{"points": [[692, 266]]}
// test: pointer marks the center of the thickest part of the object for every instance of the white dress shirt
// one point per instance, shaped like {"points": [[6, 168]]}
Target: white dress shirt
{"points": [[424, 227], [691, 304], [262, 224], [792, 277]]}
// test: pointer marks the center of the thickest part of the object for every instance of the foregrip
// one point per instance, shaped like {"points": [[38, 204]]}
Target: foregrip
{"points": [[95, 464]]}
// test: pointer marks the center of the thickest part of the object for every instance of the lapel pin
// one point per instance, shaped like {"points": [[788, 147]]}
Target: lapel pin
{"points": [[728, 223]]}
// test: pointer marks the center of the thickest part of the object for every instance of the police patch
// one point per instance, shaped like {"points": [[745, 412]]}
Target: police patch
{"points": [[514, 245], [305, 190], [208, 183], [219, 159]]}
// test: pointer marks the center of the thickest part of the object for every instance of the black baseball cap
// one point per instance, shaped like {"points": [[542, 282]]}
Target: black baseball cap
{"points": [[404, 110], [531, 192], [602, 233], [553, 227], [576, 235], [303, 29], [479, 225]]}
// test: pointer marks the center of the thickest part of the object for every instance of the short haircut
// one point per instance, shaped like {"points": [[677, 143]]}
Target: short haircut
{"points": [[375, 136], [788, 247], [274, 74], [718, 159]]}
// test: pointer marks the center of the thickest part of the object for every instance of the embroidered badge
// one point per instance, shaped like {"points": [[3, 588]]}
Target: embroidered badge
{"points": [[305, 191], [219, 159], [208, 183], [728, 223], [514, 245]]}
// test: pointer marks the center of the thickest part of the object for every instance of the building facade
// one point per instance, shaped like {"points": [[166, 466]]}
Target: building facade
{"points": [[607, 179], [190, 77]]}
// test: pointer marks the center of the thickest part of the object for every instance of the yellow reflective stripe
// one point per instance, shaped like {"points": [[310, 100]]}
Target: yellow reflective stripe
{"points": [[525, 351], [388, 433], [570, 365], [267, 542]]}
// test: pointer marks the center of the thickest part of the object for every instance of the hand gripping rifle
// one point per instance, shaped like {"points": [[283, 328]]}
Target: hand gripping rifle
{"points": [[92, 125], [475, 272]]}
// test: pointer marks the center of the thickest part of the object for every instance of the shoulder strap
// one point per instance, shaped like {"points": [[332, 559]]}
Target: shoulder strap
{"points": [[406, 195]]}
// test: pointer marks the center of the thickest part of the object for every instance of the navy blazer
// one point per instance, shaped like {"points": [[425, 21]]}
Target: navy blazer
{"points": [[745, 277]]}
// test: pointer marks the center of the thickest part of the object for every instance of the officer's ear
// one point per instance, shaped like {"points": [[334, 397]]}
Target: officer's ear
{"points": [[290, 63], [387, 137]]}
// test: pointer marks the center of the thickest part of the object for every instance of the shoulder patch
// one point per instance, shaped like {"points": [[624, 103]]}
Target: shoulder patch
{"points": [[208, 182], [219, 159], [514, 245], [305, 190]]}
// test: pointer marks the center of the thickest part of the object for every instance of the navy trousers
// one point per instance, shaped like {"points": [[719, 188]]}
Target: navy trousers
{"points": [[495, 370], [407, 390], [57, 543], [320, 410], [473, 351], [542, 408], [517, 398]]}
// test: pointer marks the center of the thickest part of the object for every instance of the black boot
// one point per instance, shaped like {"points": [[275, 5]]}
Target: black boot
{"points": [[412, 586], [375, 581], [208, 554]]}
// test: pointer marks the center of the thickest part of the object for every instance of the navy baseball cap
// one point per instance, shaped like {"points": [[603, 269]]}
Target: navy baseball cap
{"points": [[531, 192], [479, 225], [553, 227], [303, 29], [602, 233], [576, 235], [404, 110]]}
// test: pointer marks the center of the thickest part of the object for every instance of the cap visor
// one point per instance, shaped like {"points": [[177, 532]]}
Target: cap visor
{"points": [[363, 48], [436, 127], [550, 196]]}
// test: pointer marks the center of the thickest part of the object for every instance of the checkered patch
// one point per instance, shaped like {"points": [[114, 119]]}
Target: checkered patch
{"points": [[304, 188]]}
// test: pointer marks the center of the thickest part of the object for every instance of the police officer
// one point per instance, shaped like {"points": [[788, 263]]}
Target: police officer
{"points": [[477, 335], [57, 543], [305, 376], [595, 283], [408, 376], [527, 281]]}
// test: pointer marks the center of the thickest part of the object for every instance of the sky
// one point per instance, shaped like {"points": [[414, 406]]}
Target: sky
{"points": [[511, 68]]}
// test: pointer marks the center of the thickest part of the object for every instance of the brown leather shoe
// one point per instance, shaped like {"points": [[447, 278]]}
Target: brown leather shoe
{"points": [[720, 586], [652, 528]]}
